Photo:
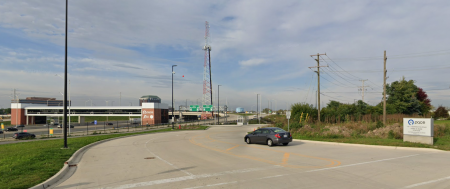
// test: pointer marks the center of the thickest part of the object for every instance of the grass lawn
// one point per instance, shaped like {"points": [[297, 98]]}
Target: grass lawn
{"points": [[98, 118], [5, 123], [26, 164], [442, 122], [242, 114]]}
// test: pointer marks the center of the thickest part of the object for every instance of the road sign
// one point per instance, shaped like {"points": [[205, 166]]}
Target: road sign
{"points": [[207, 108], [288, 114], [95, 122], [3, 127], [194, 108], [51, 131]]}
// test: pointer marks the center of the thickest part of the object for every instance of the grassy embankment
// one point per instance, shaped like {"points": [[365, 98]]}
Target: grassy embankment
{"points": [[26, 164], [372, 133]]}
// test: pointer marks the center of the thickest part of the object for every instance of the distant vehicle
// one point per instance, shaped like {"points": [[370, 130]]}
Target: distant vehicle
{"points": [[11, 129], [109, 124], [270, 136], [60, 126], [1, 132], [23, 135], [19, 126], [93, 122]]}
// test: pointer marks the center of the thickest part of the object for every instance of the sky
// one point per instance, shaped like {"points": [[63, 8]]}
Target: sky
{"points": [[119, 51]]}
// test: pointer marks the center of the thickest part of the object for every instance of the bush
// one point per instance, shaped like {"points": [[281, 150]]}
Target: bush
{"points": [[441, 112], [391, 134], [295, 125], [379, 124]]}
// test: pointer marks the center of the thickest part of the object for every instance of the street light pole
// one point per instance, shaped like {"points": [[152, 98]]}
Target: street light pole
{"points": [[65, 83], [218, 104], [173, 109]]}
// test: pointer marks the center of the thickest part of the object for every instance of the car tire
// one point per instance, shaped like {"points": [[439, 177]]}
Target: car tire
{"points": [[285, 144], [270, 142], [248, 140]]}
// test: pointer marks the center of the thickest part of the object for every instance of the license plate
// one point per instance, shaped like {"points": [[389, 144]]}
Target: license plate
{"points": [[285, 136]]}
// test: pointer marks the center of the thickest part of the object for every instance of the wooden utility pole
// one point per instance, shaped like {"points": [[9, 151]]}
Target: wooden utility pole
{"points": [[318, 83], [363, 88], [384, 90]]}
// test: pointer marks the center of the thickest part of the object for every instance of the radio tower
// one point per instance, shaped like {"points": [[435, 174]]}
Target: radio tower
{"points": [[207, 83]]}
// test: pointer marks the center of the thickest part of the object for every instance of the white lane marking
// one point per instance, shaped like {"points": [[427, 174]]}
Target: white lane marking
{"points": [[428, 182], [232, 182], [188, 173], [342, 166], [191, 177]]}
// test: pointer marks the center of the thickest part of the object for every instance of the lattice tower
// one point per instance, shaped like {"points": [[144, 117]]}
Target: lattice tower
{"points": [[207, 83]]}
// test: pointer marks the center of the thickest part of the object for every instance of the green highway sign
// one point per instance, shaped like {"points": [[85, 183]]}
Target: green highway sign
{"points": [[207, 108], [194, 108]]}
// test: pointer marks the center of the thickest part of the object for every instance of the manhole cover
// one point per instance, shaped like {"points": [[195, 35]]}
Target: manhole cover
{"points": [[149, 158]]}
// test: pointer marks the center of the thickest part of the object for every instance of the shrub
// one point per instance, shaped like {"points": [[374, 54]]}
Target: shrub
{"points": [[391, 134], [441, 112], [295, 125], [379, 124]]}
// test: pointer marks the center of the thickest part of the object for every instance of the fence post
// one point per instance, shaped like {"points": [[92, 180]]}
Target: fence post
{"points": [[104, 127], [87, 128]]}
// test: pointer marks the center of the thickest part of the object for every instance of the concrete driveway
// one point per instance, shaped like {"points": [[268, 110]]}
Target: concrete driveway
{"points": [[219, 158]]}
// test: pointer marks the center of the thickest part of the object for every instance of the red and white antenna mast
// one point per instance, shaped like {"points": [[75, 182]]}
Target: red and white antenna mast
{"points": [[207, 82]]}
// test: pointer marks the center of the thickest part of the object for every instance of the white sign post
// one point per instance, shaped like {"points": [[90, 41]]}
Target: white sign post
{"points": [[288, 116], [419, 130]]}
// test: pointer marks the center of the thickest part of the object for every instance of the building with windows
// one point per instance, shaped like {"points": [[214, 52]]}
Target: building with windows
{"points": [[36, 112], [40, 100], [149, 98]]}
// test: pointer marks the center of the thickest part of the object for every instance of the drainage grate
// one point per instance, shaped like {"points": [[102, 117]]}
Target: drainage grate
{"points": [[149, 158]]}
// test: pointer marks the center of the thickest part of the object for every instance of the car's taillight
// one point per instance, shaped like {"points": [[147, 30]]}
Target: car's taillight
{"points": [[277, 135], [290, 135]]}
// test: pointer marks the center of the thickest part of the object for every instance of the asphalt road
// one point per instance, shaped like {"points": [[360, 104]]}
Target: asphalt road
{"points": [[219, 158]]}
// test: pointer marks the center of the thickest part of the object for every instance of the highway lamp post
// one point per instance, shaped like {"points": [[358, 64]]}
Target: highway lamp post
{"points": [[70, 102], [218, 104], [65, 82], [173, 109]]}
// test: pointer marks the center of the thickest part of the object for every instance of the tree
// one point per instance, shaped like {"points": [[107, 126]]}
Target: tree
{"points": [[441, 112], [407, 98]]}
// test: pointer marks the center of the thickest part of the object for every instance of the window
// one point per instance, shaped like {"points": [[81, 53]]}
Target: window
{"points": [[278, 130], [257, 132], [266, 131]]}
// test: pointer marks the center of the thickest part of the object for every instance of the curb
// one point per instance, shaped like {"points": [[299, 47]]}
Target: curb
{"points": [[71, 164], [371, 146]]}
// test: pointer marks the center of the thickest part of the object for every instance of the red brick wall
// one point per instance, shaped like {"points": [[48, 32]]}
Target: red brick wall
{"points": [[151, 116], [21, 119]]}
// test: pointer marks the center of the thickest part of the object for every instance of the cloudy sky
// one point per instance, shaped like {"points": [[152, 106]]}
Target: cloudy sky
{"points": [[261, 46]]}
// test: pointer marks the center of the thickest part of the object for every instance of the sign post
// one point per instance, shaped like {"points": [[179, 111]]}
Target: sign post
{"points": [[288, 116], [194, 108], [419, 130]]}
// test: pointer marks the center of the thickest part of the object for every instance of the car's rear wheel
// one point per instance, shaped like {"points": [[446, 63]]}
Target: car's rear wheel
{"points": [[248, 140], [285, 144], [270, 142]]}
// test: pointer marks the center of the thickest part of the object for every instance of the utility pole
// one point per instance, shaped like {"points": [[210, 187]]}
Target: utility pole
{"points": [[363, 88], [318, 82], [120, 100], [384, 90], [257, 107]]}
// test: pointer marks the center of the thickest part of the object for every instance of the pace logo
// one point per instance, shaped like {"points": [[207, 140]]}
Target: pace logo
{"points": [[411, 122]]}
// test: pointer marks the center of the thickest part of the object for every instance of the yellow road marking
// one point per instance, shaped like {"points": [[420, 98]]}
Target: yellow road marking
{"points": [[232, 147], [285, 158]]}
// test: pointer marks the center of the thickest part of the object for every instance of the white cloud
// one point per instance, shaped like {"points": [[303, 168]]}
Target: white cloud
{"points": [[253, 62]]}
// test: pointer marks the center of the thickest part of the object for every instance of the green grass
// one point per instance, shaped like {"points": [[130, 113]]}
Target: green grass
{"points": [[26, 164], [6, 123], [442, 122], [98, 118]]}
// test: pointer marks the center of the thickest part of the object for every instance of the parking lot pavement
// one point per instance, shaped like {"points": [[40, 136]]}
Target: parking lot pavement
{"points": [[219, 158]]}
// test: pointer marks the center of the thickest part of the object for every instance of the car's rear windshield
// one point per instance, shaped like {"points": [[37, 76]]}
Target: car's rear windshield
{"points": [[278, 130]]}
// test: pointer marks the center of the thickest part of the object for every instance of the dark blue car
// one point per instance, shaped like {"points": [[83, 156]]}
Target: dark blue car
{"points": [[270, 136]]}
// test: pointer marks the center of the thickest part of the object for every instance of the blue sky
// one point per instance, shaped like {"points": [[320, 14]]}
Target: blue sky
{"points": [[262, 46]]}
